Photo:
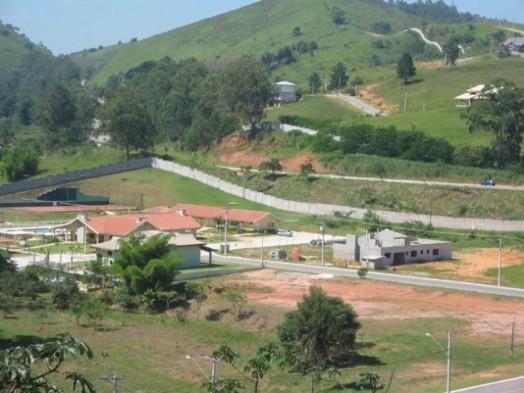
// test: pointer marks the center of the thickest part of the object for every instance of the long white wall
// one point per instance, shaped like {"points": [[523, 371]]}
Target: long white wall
{"points": [[329, 209]]}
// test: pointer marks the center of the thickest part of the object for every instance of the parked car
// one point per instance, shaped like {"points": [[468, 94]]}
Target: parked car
{"points": [[488, 182], [285, 232], [316, 242], [279, 254]]}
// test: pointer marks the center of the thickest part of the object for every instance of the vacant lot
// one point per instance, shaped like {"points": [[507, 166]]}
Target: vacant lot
{"points": [[150, 350]]}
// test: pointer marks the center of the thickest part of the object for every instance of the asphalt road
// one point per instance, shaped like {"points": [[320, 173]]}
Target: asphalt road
{"points": [[514, 385], [387, 277]]}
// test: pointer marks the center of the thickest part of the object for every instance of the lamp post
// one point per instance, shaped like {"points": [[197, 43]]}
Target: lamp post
{"points": [[262, 250], [226, 211], [214, 363], [322, 232], [448, 355]]}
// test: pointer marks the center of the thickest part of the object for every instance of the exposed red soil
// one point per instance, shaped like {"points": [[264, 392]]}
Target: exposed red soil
{"points": [[231, 141], [293, 164], [384, 301], [368, 94], [244, 157], [431, 65]]}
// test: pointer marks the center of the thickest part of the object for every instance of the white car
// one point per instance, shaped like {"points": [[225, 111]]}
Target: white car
{"points": [[284, 232]]}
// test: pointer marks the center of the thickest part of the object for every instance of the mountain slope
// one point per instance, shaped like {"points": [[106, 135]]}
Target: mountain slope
{"points": [[267, 26]]}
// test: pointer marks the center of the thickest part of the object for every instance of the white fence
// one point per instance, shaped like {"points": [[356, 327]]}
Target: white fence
{"points": [[330, 209]]}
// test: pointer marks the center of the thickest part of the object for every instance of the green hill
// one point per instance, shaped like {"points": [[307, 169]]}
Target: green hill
{"points": [[268, 26]]}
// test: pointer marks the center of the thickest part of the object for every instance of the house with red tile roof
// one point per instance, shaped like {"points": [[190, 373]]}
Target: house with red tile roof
{"points": [[213, 216], [98, 229]]}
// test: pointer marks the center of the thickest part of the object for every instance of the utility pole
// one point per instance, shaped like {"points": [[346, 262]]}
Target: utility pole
{"points": [[322, 231], [225, 232], [113, 379], [512, 347], [499, 279], [447, 352], [405, 102], [262, 250]]}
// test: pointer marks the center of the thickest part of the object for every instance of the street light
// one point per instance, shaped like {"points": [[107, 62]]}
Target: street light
{"points": [[322, 231], [213, 371], [225, 225], [448, 355]]}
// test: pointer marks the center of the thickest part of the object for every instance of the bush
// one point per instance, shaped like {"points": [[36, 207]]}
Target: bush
{"points": [[20, 163], [64, 293], [362, 273], [124, 299]]}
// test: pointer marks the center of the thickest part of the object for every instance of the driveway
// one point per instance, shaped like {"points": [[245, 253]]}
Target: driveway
{"points": [[271, 241], [514, 385]]}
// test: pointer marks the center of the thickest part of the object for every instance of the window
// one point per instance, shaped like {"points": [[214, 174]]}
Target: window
{"points": [[421, 252], [387, 255], [436, 251], [427, 251], [413, 254]]}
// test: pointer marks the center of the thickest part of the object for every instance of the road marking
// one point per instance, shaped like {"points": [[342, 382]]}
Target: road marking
{"points": [[491, 384]]}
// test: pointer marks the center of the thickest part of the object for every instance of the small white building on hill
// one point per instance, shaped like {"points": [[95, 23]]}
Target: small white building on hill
{"points": [[285, 92]]}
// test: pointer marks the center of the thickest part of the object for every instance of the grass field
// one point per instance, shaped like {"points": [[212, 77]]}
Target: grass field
{"points": [[150, 350]]}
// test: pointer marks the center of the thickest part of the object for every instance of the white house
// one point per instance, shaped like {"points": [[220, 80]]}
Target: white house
{"points": [[388, 248], [285, 92]]}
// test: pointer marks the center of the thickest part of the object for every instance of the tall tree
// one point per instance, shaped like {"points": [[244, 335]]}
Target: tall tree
{"points": [[315, 82], [339, 77], [58, 115], [452, 50], [20, 162], [320, 334], [248, 89], [128, 122], [211, 118], [502, 114], [405, 68]]}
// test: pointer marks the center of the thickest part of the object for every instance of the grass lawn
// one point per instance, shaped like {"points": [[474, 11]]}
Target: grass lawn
{"points": [[512, 276], [150, 350], [316, 107], [66, 248]]}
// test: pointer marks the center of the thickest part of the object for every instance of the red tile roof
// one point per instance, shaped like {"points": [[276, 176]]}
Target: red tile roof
{"points": [[236, 215], [125, 224]]}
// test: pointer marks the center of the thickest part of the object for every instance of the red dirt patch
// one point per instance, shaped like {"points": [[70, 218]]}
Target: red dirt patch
{"points": [[293, 164], [231, 141], [368, 94], [431, 65], [384, 301], [244, 158]]}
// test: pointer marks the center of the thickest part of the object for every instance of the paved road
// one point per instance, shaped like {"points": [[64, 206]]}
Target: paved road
{"points": [[397, 181], [388, 277], [426, 40], [361, 105], [514, 385]]}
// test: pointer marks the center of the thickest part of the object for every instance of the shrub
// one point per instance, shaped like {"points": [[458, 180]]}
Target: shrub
{"points": [[19, 163]]}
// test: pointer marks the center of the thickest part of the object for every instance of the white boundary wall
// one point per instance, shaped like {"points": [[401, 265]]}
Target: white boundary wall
{"points": [[329, 209]]}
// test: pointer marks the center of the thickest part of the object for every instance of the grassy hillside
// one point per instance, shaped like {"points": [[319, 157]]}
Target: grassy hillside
{"points": [[430, 99], [268, 25]]}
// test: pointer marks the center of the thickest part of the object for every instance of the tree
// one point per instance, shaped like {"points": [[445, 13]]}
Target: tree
{"points": [[223, 385], [319, 335], [371, 382], [248, 89], [315, 82], [198, 292], [501, 114], [405, 68], [271, 166], [256, 367], [339, 77], [20, 163], [148, 265], [128, 122], [33, 368], [297, 32], [58, 115], [338, 16], [306, 170], [452, 50]]}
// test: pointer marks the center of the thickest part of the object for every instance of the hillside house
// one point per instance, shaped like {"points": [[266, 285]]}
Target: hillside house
{"points": [[212, 216], [285, 92], [100, 229], [185, 245], [514, 44], [388, 248], [473, 94]]}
